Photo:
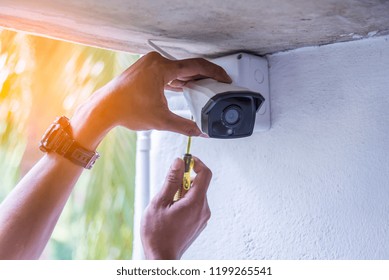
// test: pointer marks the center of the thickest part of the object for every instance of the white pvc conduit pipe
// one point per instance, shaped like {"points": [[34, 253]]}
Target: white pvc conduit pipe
{"points": [[142, 188], [142, 183]]}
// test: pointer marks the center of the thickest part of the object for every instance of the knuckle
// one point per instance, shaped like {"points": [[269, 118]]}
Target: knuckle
{"points": [[202, 60], [179, 64], [195, 205], [153, 55], [153, 60], [154, 204], [191, 129], [152, 208], [164, 201], [172, 178], [158, 202], [207, 214], [207, 172]]}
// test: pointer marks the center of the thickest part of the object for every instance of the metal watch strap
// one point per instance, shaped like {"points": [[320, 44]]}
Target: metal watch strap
{"points": [[77, 154], [58, 138]]}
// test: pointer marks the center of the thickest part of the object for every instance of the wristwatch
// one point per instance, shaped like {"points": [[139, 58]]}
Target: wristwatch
{"points": [[58, 138]]}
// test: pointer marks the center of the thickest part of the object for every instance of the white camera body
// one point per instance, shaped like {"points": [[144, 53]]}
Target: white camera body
{"points": [[234, 110]]}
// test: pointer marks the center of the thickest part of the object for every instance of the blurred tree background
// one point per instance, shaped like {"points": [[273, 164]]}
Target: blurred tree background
{"points": [[40, 79]]}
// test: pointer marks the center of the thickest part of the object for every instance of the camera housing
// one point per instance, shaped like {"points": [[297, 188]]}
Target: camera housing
{"points": [[236, 110]]}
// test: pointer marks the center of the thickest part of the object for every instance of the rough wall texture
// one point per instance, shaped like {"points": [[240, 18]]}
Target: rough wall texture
{"points": [[201, 27], [316, 186]]}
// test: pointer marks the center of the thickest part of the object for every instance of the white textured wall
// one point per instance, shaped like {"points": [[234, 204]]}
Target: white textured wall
{"points": [[316, 186]]}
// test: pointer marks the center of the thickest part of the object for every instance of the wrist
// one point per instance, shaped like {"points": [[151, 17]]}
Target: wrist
{"points": [[160, 256], [89, 125]]}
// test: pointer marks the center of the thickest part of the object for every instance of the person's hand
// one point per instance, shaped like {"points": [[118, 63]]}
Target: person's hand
{"points": [[136, 99], [169, 228]]}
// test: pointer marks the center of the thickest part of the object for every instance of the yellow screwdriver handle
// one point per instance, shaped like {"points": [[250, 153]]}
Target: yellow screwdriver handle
{"points": [[186, 183], [189, 163]]}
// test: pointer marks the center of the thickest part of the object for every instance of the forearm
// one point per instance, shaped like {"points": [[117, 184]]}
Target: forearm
{"points": [[30, 213]]}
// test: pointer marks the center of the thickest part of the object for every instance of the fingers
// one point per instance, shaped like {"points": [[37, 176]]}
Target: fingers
{"points": [[173, 181], [179, 83], [202, 222], [180, 125], [173, 75], [201, 181], [172, 88], [187, 69]]}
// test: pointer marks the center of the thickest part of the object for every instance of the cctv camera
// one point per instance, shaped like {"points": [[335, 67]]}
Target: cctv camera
{"points": [[223, 110]]}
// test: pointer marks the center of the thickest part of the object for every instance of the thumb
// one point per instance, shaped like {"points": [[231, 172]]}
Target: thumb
{"points": [[173, 181], [181, 125]]}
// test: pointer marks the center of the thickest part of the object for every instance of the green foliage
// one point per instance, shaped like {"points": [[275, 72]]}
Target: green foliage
{"points": [[98, 218], [14, 106], [109, 218], [57, 76]]}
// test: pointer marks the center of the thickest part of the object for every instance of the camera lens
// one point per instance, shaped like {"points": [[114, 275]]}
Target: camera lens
{"points": [[231, 115]]}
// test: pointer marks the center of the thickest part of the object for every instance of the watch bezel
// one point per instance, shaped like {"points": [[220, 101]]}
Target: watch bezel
{"points": [[50, 137]]}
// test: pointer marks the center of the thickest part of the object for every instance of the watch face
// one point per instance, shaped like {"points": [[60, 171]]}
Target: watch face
{"points": [[49, 138], [47, 133]]}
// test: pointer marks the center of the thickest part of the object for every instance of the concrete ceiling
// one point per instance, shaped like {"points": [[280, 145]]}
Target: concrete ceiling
{"points": [[202, 27]]}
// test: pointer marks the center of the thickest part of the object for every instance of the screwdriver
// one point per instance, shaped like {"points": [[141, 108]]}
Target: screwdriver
{"points": [[189, 163]]}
